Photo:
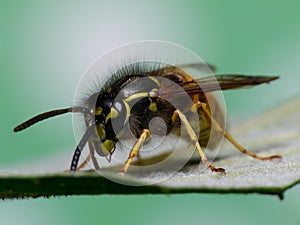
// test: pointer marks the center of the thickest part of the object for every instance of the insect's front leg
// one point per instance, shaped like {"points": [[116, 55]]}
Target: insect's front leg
{"points": [[136, 148], [92, 147]]}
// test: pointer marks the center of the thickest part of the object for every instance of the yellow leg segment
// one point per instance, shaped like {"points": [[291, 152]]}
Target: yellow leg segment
{"points": [[83, 164], [194, 139], [90, 156], [136, 148], [204, 108]]}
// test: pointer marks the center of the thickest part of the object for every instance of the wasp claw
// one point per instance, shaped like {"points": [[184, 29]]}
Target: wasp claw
{"points": [[275, 157], [217, 170]]}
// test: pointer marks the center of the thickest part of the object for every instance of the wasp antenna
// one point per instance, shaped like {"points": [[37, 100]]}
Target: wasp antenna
{"points": [[47, 115]]}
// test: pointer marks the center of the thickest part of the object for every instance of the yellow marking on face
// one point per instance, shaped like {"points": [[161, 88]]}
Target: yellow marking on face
{"points": [[153, 107], [155, 80], [107, 146], [137, 95], [98, 111], [107, 117], [114, 112], [101, 131]]}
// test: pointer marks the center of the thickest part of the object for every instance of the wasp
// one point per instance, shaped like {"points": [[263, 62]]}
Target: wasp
{"points": [[134, 106]]}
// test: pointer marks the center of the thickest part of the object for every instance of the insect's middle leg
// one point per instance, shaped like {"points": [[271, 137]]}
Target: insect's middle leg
{"points": [[136, 148], [207, 113], [194, 139]]}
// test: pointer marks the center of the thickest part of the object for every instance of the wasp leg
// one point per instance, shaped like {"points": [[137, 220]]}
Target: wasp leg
{"points": [[83, 164], [92, 153], [139, 159], [136, 148], [90, 156], [194, 139], [204, 108]]}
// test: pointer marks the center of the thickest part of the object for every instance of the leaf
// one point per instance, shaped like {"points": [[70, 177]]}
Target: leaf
{"points": [[276, 131]]}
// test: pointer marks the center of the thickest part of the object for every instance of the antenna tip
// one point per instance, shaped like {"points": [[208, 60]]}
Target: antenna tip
{"points": [[17, 129]]}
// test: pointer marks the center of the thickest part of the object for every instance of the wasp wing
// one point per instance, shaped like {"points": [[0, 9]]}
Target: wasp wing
{"points": [[199, 66], [225, 82], [219, 82]]}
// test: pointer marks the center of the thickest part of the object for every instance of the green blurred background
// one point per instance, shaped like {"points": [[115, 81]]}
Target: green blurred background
{"points": [[47, 45]]}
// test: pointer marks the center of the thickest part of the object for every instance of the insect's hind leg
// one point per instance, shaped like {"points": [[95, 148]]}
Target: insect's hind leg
{"points": [[194, 139], [207, 113], [136, 148]]}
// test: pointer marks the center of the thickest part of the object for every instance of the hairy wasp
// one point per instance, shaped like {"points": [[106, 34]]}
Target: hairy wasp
{"points": [[121, 102]]}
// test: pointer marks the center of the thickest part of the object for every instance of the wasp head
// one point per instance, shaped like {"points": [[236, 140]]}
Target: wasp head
{"points": [[109, 117]]}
